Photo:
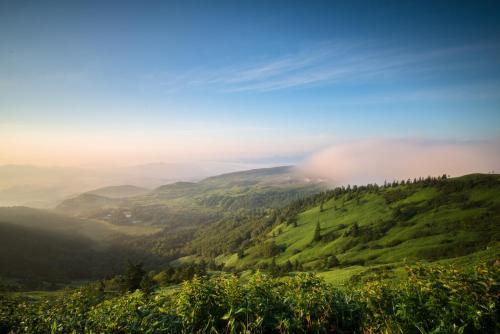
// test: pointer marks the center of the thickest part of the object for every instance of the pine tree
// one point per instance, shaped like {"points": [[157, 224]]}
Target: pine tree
{"points": [[241, 254], [148, 285], [333, 261], [273, 267], [134, 274], [317, 232]]}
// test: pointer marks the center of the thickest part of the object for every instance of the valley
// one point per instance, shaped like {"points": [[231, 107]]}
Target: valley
{"points": [[270, 230], [270, 219]]}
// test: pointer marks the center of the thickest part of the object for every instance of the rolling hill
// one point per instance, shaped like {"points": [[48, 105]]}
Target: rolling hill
{"points": [[105, 227], [267, 219], [188, 203], [350, 230]]}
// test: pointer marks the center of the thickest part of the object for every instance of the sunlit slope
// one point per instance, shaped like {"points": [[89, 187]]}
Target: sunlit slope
{"points": [[449, 219]]}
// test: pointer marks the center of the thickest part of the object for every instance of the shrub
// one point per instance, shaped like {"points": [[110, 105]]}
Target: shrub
{"points": [[436, 299], [433, 299]]}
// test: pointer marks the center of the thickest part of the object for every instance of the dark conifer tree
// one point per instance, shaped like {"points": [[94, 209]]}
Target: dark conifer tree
{"points": [[134, 274], [333, 261], [317, 232]]}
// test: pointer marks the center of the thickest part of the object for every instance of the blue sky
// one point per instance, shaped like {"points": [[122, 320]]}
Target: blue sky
{"points": [[241, 80]]}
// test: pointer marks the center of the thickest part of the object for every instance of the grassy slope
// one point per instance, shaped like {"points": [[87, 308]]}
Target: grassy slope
{"points": [[445, 226]]}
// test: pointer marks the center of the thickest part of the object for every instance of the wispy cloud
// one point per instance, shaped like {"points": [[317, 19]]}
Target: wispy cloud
{"points": [[324, 63]]}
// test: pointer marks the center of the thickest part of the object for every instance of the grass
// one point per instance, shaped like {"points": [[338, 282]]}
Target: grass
{"points": [[464, 224], [37, 295], [341, 276]]}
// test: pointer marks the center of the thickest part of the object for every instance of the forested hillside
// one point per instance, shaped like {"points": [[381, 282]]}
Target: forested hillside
{"points": [[187, 204], [184, 205], [343, 233], [359, 227], [96, 233]]}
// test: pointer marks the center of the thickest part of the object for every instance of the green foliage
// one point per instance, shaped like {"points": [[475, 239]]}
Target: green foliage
{"points": [[302, 304], [436, 300], [66, 313], [269, 249], [174, 275], [133, 277], [133, 313], [433, 299], [148, 284], [332, 261]]}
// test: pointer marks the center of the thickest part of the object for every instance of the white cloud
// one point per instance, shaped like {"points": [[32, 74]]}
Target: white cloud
{"points": [[376, 160]]}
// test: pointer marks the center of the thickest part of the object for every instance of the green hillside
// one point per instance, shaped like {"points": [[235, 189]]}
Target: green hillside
{"points": [[188, 204], [343, 233], [153, 228], [369, 226]]}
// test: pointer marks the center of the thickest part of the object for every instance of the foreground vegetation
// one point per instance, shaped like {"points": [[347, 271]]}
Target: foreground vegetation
{"points": [[431, 299]]}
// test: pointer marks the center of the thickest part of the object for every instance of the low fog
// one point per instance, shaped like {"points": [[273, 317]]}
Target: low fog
{"points": [[45, 187], [355, 162], [376, 160]]}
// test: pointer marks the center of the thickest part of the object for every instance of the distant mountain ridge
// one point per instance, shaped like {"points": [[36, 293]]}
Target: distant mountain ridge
{"points": [[191, 202], [252, 174], [46, 186], [122, 191]]}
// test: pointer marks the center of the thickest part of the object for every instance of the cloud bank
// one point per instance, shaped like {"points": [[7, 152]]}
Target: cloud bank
{"points": [[376, 160]]}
